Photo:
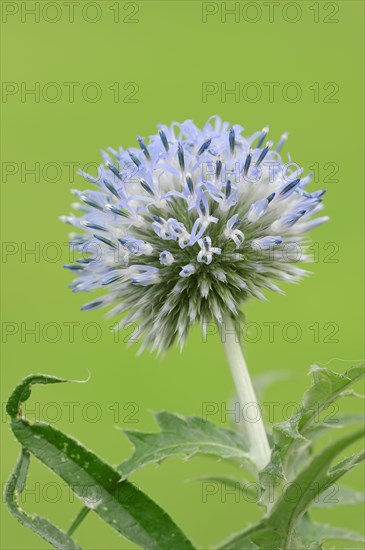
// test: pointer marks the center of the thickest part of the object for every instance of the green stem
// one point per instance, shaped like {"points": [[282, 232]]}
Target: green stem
{"points": [[255, 429]]}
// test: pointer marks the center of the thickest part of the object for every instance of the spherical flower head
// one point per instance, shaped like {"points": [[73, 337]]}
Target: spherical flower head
{"points": [[189, 225]]}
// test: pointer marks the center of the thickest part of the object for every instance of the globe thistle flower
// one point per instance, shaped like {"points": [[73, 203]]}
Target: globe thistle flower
{"points": [[190, 225], [186, 228]]}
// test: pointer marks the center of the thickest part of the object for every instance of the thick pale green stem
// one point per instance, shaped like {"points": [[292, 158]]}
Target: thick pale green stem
{"points": [[255, 429]]}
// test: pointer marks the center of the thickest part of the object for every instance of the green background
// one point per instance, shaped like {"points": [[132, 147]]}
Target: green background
{"points": [[169, 52]]}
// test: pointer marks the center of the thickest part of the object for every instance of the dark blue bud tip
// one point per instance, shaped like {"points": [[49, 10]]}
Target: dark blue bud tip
{"points": [[114, 169], [122, 241], [278, 241], [111, 188], [202, 208], [206, 244], [143, 147], [105, 240], [218, 168], [146, 186], [228, 188], [91, 305], [92, 225], [290, 186], [156, 218], [247, 162], [73, 267], [262, 155], [180, 155], [204, 146], [135, 159], [163, 138], [232, 139], [84, 260], [270, 197], [236, 224], [117, 211], [302, 212], [189, 183], [91, 203]]}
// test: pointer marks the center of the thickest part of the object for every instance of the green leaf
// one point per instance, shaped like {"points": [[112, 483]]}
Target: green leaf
{"points": [[295, 479], [328, 386], [278, 529], [310, 531], [294, 436], [42, 527], [183, 436], [312, 481], [118, 503], [338, 496]]}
